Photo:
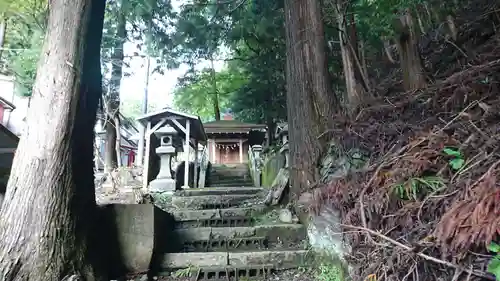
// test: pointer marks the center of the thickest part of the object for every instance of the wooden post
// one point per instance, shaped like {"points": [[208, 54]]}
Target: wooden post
{"points": [[241, 151], [145, 170], [213, 151], [186, 150], [196, 165]]}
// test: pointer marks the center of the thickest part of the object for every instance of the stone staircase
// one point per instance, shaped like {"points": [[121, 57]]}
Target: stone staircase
{"points": [[235, 175], [225, 233]]}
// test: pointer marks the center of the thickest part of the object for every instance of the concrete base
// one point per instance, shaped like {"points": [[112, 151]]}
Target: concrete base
{"points": [[131, 236], [162, 185]]}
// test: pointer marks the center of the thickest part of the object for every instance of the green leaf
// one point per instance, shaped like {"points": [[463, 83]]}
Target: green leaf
{"points": [[452, 152], [494, 267], [457, 163], [494, 247]]}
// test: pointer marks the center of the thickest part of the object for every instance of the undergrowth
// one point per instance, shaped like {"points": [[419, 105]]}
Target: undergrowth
{"points": [[494, 264], [428, 200], [329, 272]]}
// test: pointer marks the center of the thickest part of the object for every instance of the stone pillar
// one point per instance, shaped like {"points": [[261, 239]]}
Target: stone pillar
{"points": [[257, 150], [164, 181], [283, 135], [187, 151], [214, 147], [196, 164]]}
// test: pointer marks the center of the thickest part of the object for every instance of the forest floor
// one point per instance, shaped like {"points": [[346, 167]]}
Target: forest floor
{"points": [[431, 183]]}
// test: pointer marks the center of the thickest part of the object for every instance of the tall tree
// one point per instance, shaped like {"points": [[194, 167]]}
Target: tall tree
{"points": [[356, 80], [310, 100], [46, 216], [414, 74], [191, 93], [112, 99]]}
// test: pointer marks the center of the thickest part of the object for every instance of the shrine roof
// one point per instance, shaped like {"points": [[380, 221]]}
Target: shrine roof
{"points": [[231, 126], [196, 127]]}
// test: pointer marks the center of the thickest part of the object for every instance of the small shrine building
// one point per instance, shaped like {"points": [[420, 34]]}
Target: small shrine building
{"points": [[229, 140]]}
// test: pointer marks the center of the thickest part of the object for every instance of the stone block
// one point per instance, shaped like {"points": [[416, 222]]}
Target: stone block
{"points": [[131, 237], [207, 233], [280, 259], [290, 233], [193, 215], [197, 202], [186, 260]]}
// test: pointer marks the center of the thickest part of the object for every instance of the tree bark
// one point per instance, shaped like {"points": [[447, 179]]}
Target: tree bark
{"points": [[311, 104], [50, 199], [118, 141], [215, 98], [356, 86], [3, 29], [113, 99], [414, 74]]}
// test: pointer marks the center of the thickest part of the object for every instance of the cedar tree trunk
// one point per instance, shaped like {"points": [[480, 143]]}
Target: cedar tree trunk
{"points": [[414, 74], [3, 30], [215, 98], [50, 199], [311, 104], [113, 100]]}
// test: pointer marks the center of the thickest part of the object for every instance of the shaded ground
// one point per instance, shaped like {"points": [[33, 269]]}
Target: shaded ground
{"points": [[426, 205]]}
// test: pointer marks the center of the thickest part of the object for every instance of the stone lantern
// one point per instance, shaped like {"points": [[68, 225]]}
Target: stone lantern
{"points": [[170, 144], [257, 150]]}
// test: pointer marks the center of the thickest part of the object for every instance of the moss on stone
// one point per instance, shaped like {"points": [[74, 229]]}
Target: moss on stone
{"points": [[270, 169]]}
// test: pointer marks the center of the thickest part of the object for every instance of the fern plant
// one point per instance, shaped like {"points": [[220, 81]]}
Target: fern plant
{"points": [[494, 264]]}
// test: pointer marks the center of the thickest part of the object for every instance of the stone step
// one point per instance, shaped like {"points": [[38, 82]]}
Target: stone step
{"points": [[230, 179], [281, 260], [275, 233], [238, 185], [215, 176], [220, 222], [240, 244], [225, 273], [195, 215], [226, 190], [210, 201], [231, 182]]}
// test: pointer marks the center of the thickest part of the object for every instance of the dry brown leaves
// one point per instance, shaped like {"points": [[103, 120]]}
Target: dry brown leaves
{"points": [[406, 136]]}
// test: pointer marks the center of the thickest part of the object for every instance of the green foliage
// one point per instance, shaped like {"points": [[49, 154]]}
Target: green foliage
{"points": [[181, 273], [132, 107], [25, 30], [494, 264], [196, 93], [457, 161], [253, 35], [414, 188], [329, 272]]}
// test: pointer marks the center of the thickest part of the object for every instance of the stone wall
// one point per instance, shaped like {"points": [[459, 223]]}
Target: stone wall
{"points": [[323, 228]]}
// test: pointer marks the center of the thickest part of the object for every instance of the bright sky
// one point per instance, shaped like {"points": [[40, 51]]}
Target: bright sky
{"points": [[160, 86]]}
